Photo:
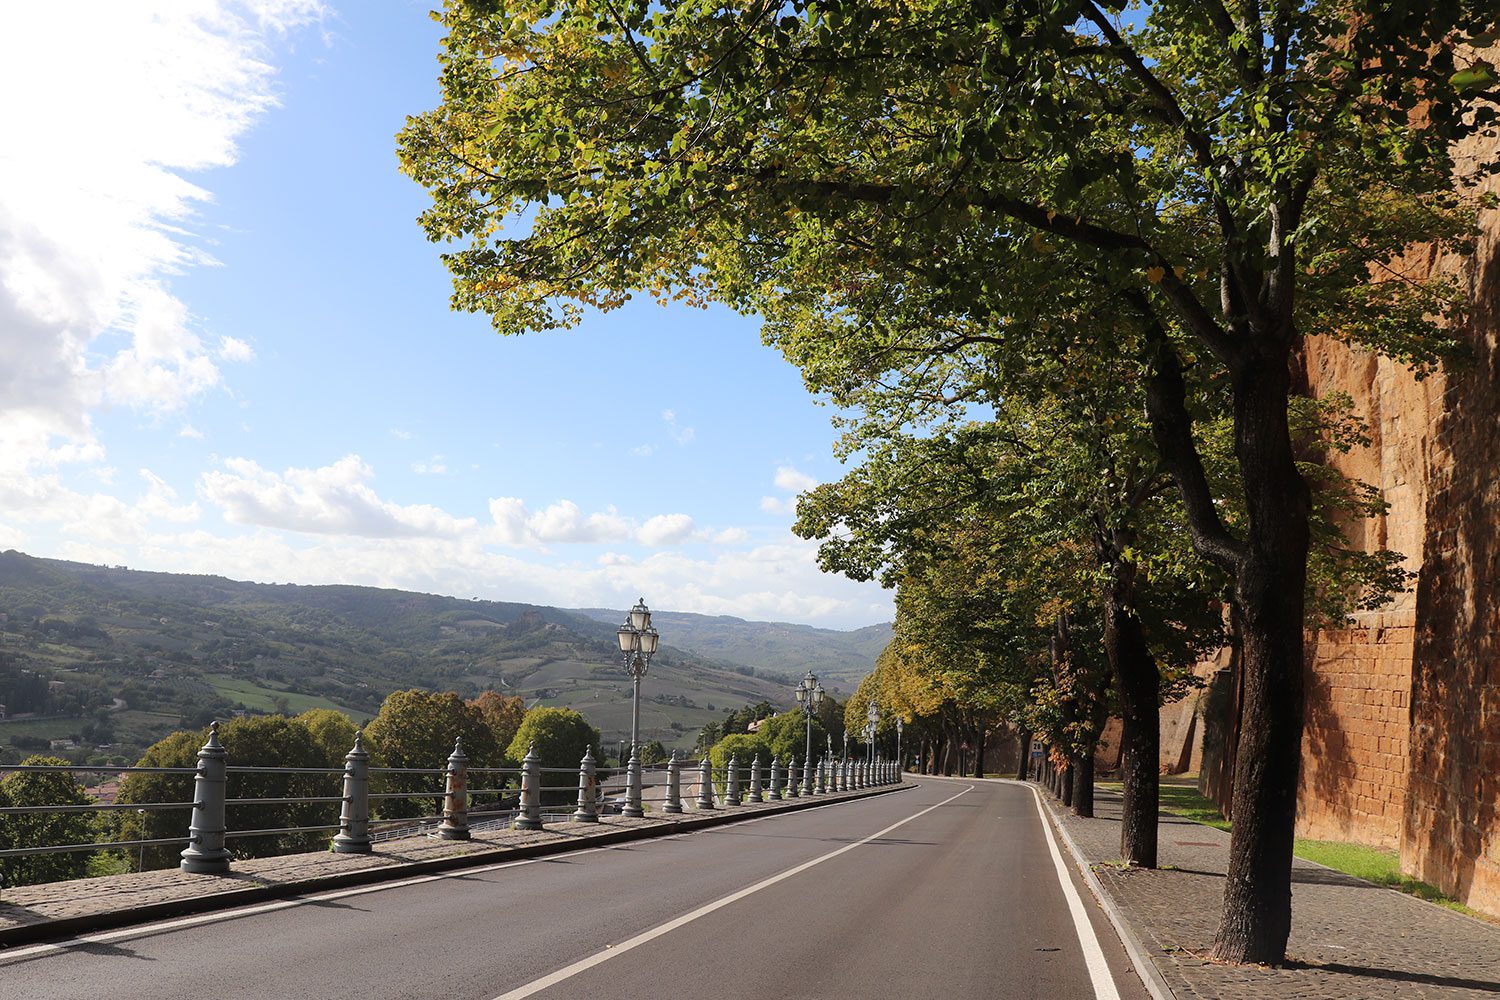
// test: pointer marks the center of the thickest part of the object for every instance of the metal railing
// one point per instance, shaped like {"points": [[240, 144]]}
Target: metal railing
{"points": [[518, 806]]}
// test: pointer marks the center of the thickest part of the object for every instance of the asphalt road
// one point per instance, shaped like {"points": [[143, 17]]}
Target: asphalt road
{"points": [[949, 889]]}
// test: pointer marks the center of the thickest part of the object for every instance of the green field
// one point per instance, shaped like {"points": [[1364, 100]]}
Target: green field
{"points": [[262, 697]]}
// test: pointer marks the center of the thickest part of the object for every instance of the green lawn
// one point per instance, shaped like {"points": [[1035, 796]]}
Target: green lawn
{"points": [[1369, 863]]}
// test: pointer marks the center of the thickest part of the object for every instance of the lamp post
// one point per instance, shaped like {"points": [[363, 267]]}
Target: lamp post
{"points": [[637, 644], [809, 697], [899, 768], [872, 718]]}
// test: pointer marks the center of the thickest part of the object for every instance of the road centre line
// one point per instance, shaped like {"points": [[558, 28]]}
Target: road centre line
{"points": [[615, 951], [1093, 955]]}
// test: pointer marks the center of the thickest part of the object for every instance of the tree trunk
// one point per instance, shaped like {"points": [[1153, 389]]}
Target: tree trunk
{"points": [[980, 743], [1024, 736], [1083, 787], [1138, 682], [1067, 783], [1269, 588]]}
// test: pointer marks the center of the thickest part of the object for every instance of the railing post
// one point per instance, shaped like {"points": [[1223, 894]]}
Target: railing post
{"points": [[633, 787], [755, 796], [791, 778], [859, 775], [588, 790], [844, 775], [354, 815], [732, 784], [823, 775], [674, 786], [775, 793], [530, 817], [705, 784], [808, 770], [455, 825], [205, 854]]}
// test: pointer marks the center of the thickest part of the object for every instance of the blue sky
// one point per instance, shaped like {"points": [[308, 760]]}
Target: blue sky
{"points": [[225, 346]]}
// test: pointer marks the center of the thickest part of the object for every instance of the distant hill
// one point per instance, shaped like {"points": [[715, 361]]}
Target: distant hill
{"points": [[840, 659], [116, 658]]}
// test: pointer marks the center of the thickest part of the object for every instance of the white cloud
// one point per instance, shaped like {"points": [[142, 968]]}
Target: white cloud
{"points": [[778, 505], [731, 536], [665, 529], [561, 522], [333, 500], [643, 450], [433, 467], [96, 210], [401, 435], [789, 479], [682, 435], [234, 349], [190, 432]]}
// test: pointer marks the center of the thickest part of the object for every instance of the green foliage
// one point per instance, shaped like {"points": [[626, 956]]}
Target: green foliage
{"points": [[264, 741], [332, 731], [785, 736], [417, 728], [652, 752], [744, 748], [43, 829], [180, 749], [560, 737]]}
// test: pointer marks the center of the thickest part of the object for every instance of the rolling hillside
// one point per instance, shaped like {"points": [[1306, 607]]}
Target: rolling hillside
{"points": [[840, 659], [115, 658]]}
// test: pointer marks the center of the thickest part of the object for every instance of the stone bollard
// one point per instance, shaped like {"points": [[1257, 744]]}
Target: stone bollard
{"points": [[705, 784], [205, 853], [755, 796], [354, 815], [791, 791], [633, 788], [732, 783], [588, 790], [823, 775], [859, 775], [530, 816], [775, 793], [674, 786], [455, 825], [808, 768], [844, 775]]}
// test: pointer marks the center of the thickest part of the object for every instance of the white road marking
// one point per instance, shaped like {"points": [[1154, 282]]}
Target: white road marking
{"points": [[1093, 955], [615, 951]]}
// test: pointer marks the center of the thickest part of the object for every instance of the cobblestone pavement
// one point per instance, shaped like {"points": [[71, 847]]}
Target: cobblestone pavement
{"points": [[1350, 938], [26, 906]]}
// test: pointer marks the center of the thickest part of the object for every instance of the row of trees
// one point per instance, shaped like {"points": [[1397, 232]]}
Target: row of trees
{"points": [[1066, 250], [414, 729]]}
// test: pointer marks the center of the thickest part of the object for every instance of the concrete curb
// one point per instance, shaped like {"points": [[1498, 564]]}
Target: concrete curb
{"points": [[1140, 959], [70, 926]]}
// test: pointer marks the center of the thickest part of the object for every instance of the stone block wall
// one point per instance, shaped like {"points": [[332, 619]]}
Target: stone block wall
{"points": [[1354, 746]]}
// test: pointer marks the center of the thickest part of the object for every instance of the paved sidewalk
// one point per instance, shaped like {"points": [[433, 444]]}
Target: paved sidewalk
{"points": [[1350, 938], [38, 912]]}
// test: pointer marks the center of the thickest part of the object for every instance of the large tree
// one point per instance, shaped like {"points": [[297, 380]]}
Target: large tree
{"points": [[915, 175]]}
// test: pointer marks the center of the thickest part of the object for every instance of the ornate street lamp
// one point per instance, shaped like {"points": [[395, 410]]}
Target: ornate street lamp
{"points": [[809, 698], [872, 719], [899, 768], [637, 644]]}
